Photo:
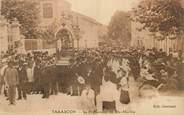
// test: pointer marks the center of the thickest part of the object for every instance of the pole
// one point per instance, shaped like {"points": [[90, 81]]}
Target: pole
{"points": [[182, 44], [0, 47], [78, 44], [166, 45], [0, 6], [0, 30], [86, 46]]}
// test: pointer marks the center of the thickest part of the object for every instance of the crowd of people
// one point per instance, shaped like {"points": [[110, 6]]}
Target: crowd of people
{"points": [[92, 73]]}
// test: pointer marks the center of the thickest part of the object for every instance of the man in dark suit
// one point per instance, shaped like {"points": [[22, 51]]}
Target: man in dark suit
{"points": [[11, 80], [22, 77], [37, 77], [45, 81]]}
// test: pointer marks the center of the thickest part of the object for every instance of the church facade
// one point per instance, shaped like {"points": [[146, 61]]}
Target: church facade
{"points": [[81, 31]]}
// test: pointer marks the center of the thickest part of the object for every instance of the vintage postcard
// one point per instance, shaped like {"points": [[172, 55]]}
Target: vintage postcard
{"points": [[92, 57]]}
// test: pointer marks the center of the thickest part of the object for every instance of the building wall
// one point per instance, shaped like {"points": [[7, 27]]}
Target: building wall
{"points": [[144, 39], [89, 28], [90, 32], [3, 35], [58, 7], [9, 35], [140, 38], [37, 45], [147, 41]]}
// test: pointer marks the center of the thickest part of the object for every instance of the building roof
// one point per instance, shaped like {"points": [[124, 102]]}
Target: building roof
{"points": [[86, 18]]}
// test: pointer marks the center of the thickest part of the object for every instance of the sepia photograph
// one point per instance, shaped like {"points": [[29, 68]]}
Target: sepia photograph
{"points": [[97, 57]]}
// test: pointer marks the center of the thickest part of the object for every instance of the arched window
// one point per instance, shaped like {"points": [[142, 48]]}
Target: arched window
{"points": [[47, 10]]}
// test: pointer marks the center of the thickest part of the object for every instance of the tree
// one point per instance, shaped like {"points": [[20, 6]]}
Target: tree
{"points": [[163, 18], [119, 29], [48, 33], [27, 13]]}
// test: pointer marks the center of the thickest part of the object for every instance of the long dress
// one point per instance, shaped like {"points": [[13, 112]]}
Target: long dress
{"points": [[108, 93], [87, 100]]}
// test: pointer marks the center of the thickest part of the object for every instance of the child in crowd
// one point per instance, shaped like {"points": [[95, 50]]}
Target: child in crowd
{"points": [[88, 99]]}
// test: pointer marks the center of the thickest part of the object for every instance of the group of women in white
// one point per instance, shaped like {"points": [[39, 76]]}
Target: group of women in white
{"points": [[111, 97]]}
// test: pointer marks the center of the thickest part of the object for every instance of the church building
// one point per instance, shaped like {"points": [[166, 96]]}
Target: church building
{"points": [[79, 30]]}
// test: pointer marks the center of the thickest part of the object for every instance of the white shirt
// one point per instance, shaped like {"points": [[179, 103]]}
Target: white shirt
{"points": [[124, 84], [108, 91], [88, 93], [3, 70], [30, 74], [145, 74]]}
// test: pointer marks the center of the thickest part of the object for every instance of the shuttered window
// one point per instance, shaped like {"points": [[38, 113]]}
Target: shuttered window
{"points": [[47, 10]]}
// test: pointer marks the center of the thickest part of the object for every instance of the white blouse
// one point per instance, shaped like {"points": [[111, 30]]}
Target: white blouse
{"points": [[30, 74]]}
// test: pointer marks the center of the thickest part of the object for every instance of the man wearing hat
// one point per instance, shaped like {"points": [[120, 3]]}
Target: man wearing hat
{"points": [[3, 67], [22, 76], [11, 79]]}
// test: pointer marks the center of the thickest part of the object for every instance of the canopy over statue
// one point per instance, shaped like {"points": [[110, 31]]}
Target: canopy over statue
{"points": [[65, 46]]}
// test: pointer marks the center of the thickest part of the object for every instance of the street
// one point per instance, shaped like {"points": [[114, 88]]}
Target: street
{"points": [[34, 104]]}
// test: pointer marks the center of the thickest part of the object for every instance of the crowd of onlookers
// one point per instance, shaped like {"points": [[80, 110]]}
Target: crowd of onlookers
{"points": [[24, 72], [92, 72]]}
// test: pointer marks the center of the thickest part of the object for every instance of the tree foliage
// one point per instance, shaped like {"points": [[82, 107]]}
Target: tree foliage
{"points": [[164, 18], [48, 33], [26, 12], [119, 32]]}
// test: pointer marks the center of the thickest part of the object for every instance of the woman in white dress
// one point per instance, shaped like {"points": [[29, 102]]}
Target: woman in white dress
{"points": [[88, 100], [30, 76]]}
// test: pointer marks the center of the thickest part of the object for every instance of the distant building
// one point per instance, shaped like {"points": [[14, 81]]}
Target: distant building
{"points": [[143, 38]]}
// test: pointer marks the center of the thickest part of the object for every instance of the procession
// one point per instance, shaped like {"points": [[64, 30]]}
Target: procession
{"points": [[92, 75], [69, 57]]}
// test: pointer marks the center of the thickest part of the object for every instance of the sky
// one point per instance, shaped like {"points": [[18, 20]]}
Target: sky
{"points": [[101, 10]]}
